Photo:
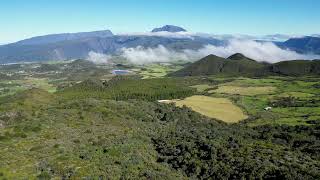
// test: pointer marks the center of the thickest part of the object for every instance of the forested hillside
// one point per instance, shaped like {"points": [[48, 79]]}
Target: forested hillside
{"points": [[117, 129], [238, 64]]}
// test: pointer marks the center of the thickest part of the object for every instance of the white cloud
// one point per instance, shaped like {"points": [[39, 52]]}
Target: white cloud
{"points": [[98, 58], [192, 35], [142, 55], [260, 51]]}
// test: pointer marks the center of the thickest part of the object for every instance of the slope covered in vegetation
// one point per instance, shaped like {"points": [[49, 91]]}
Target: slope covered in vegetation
{"points": [[212, 65], [238, 64], [79, 133]]}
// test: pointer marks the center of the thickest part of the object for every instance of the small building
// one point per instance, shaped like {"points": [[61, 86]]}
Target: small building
{"points": [[267, 108]]}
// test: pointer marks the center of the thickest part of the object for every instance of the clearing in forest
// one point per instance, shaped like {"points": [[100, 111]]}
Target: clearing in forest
{"points": [[219, 108]]}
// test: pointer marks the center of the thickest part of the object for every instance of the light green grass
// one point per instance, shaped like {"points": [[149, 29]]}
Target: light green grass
{"points": [[157, 70], [295, 94], [219, 108], [202, 87], [291, 121], [42, 83], [253, 82], [247, 91]]}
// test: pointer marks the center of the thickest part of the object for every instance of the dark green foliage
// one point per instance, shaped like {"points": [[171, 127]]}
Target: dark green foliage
{"points": [[303, 138], [295, 102], [296, 68], [317, 85], [131, 88], [114, 129], [44, 176], [204, 149]]}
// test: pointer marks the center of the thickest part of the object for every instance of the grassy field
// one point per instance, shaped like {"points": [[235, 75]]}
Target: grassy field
{"points": [[260, 93], [202, 87], [42, 83], [295, 94], [241, 81], [252, 95], [14, 86], [218, 108], [157, 70], [247, 91]]}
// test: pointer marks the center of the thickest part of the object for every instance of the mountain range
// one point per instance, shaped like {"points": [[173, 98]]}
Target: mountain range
{"points": [[78, 45], [54, 38], [307, 44]]}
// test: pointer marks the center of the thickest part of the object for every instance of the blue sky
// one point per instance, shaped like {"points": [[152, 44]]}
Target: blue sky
{"points": [[21, 19]]}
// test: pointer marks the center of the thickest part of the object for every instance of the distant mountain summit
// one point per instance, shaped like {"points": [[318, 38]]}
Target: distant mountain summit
{"points": [[169, 28]]}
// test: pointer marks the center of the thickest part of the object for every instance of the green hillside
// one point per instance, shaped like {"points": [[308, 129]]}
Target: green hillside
{"points": [[238, 64], [296, 68], [212, 65], [77, 120], [68, 136]]}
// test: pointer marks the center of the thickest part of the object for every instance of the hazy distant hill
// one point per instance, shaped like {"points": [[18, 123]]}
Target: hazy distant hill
{"points": [[238, 64], [305, 44], [53, 38]]}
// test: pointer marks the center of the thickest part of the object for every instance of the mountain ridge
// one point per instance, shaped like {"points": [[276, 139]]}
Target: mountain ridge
{"points": [[66, 46], [53, 38], [79, 48], [306, 44]]}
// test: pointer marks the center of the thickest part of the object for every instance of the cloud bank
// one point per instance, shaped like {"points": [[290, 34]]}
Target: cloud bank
{"points": [[192, 35], [140, 55], [98, 58], [260, 51]]}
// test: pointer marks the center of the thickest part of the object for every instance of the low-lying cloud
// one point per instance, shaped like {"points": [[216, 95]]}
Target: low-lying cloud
{"points": [[260, 51], [193, 35], [141, 55], [98, 58]]}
